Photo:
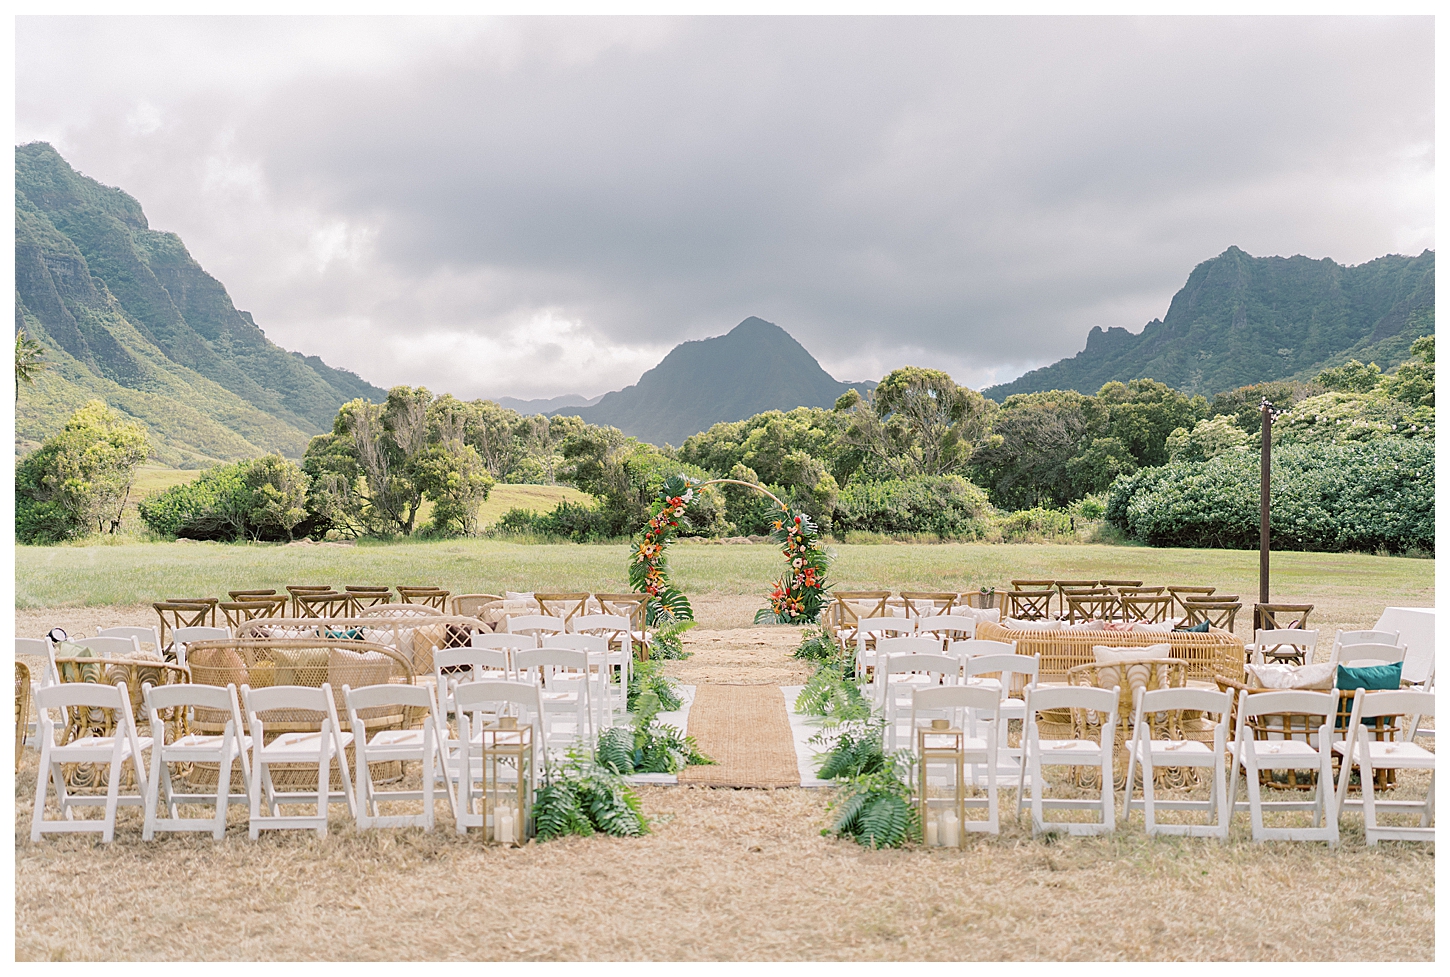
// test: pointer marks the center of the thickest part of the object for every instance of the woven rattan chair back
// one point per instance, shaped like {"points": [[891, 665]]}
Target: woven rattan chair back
{"points": [[431, 596], [22, 708], [1145, 608], [469, 605], [1029, 605], [196, 612], [399, 611]]}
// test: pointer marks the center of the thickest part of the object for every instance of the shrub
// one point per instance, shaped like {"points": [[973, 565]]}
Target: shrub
{"points": [[948, 506], [1034, 526], [263, 499], [77, 482], [1367, 496]]}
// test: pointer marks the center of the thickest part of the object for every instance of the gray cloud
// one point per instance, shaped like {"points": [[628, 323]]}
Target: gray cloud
{"points": [[534, 207]]}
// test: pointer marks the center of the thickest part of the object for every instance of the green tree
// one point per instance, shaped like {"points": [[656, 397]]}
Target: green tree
{"points": [[917, 422], [262, 499], [29, 360], [1095, 468], [1208, 439], [1352, 377], [1024, 461], [78, 482], [1414, 381], [1142, 413]]}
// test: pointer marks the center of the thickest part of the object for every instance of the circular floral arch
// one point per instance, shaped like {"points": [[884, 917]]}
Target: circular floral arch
{"points": [[799, 592]]}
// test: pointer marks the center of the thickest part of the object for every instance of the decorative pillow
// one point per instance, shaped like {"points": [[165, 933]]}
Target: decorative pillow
{"points": [[1105, 655], [299, 666], [1200, 628], [1142, 627], [988, 614], [1088, 626], [1044, 625], [1317, 677], [1371, 677]]}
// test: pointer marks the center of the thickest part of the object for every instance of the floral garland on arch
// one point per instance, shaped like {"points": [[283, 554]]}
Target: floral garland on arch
{"points": [[800, 592], [649, 573]]}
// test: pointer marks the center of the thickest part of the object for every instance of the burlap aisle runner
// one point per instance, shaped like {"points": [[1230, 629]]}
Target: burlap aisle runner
{"points": [[744, 728]]}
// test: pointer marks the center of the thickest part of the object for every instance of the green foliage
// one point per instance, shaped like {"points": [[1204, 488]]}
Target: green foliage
{"points": [[668, 631], [1034, 525], [948, 506], [874, 809], [648, 747], [580, 797], [916, 422], [1208, 439], [831, 694], [262, 499], [856, 749], [29, 360], [817, 645], [78, 482], [649, 677], [1364, 497], [1352, 377], [573, 521]]}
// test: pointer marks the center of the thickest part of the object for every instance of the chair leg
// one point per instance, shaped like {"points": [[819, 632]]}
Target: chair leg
{"points": [[42, 781], [324, 780], [149, 795], [113, 794], [1366, 789], [254, 801], [1150, 824], [223, 792], [1221, 796]]}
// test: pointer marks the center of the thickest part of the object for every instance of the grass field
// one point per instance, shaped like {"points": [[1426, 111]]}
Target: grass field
{"points": [[1347, 589]]}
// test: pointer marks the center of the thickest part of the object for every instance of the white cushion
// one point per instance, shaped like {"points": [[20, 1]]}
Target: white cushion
{"points": [[1105, 655], [1142, 627], [1045, 625], [510, 595], [1089, 626], [1320, 676]]}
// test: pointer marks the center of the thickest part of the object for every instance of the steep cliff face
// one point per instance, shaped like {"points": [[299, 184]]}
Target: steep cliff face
{"points": [[128, 315], [1241, 319]]}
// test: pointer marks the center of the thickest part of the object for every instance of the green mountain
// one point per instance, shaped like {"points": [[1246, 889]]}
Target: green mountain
{"points": [[127, 315], [755, 367], [1241, 320]]}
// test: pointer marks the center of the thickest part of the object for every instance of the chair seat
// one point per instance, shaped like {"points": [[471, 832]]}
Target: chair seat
{"points": [[1166, 752], [1285, 753], [1393, 754], [1056, 750], [199, 744], [95, 749], [560, 698], [304, 746], [397, 737]]}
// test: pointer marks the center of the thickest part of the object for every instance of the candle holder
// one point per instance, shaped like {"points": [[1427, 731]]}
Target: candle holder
{"points": [[506, 784], [942, 816]]}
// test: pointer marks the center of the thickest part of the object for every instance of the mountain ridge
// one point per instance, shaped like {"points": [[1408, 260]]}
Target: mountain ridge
{"points": [[1241, 319], [128, 315], [755, 367]]}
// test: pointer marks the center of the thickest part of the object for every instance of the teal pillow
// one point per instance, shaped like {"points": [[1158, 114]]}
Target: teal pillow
{"points": [[1200, 628], [1371, 677]]}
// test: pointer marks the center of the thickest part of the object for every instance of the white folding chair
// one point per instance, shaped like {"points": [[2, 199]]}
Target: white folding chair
{"points": [[1370, 637], [1270, 644], [1282, 752], [562, 676], [869, 630], [1069, 753], [972, 647], [123, 743], [144, 636], [464, 756], [322, 747], [474, 664], [1367, 653], [978, 668], [222, 749], [607, 698], [182, 637], [1150, 753], [947, 627], [536, 626], [127, 647], [395, 746], [900, 675], [615, 629], [965, 708], [1369, 755]]}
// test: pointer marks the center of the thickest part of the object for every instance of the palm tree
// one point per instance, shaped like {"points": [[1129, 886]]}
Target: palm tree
{"points": [[29, 360]]}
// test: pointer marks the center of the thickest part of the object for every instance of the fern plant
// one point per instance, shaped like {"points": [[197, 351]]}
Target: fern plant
{"points": [[874, 809], [855, 750], [647, 676], [648, 746], [817, 645], [580, 797], [831, 694], [666, 640]]}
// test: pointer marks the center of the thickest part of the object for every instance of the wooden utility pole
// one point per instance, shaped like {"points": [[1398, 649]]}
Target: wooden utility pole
{"points": [[1266, 422]]}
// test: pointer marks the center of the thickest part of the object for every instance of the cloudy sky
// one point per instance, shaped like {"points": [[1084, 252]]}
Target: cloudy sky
{"points": [[532, 207]]}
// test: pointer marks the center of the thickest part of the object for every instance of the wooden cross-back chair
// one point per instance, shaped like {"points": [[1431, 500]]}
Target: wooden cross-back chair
{"points": [[1118, 585], [633, 606], [366, 596], [1033, 584], [1065, 587], [1099, 605], [184, 612], [244, 594], [562, 605], [849, 607], [1218, 613], [432, 596], [1146, 608], [925, 604], [1029, 605], [239, 612], [1181, 595], [1276, 617], [326, 604]]}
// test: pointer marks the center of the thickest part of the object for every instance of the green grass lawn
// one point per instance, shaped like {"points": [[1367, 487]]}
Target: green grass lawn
{"points": [[1349, 587]]}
